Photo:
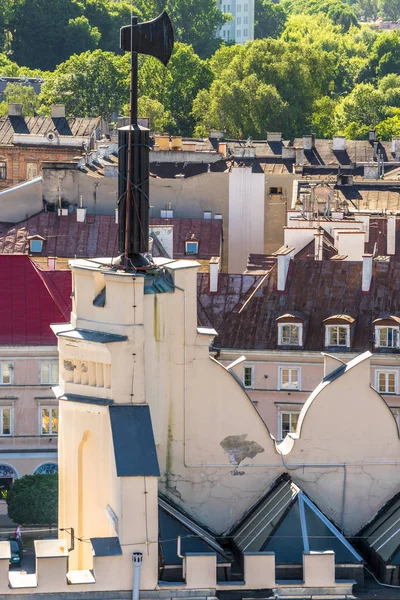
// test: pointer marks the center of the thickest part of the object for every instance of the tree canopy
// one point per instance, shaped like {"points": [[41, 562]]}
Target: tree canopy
{"points": [[33, 500]]}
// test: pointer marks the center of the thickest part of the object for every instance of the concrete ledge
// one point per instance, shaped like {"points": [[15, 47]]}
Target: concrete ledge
{"points": [[21, 580], [79, 577]]}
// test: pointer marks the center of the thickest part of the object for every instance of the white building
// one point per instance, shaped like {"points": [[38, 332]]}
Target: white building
{"points": [[241, 28]]}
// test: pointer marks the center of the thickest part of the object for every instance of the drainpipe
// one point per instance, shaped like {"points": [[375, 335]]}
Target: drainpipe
{"points": [[137, 565]]}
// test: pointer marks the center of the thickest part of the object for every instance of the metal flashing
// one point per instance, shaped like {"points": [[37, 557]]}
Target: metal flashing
{"points": [[134, 446], [106, 546]]}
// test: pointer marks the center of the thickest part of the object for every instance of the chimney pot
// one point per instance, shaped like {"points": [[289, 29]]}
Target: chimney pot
{"points": [[15, 110], [58, 111], [339, 142], [214, 265]]}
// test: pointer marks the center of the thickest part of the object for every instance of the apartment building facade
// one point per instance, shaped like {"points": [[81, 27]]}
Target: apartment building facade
{"points": [[241, 28]]}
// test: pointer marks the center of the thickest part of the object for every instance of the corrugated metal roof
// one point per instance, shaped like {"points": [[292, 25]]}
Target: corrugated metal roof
{"points": [[134, 446], [42, 125], [30, 300]]}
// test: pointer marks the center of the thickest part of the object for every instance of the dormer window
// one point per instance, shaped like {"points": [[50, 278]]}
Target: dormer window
{"points": [[337, 331], [192, 246], [387, 332], [290, 330], [35, 244]]}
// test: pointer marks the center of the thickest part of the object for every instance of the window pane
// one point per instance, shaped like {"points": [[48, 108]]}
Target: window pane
{"points": [[285, 378], [248, 376], [332, 336], [45, 420], [295, 418], [54, 420], [342, 336], [5, 373], [6, 421], [285, 419], [295, 379], [383, 336], [45, 374], [390, 337], [391, 383], [294, 334], [382, 382], [54, 373]]}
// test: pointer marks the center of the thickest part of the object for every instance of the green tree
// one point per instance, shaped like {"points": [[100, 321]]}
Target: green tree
{"points": [[45, 33], [89, 84], [109, 16], [390, 127], [20, 94], [160, 119], [384, 57], [366, 9], [389, 9], [323, 117], [176, 85], [269, 19], [390, 87], [365, 105], [33, 500]]}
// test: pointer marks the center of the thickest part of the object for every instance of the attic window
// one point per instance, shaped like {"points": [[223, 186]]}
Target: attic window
{"points": [[290, 334], [192, 247], [337, 335], [207, 215], [35, 245], [275, 190], [167, 214], [386, 337]]}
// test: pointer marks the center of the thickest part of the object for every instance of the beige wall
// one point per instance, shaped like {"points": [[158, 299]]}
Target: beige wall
{"points": [[275, 209]]}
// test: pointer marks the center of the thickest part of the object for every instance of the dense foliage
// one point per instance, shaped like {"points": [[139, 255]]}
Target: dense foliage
{"points": [[316, 65], [33, 500]]}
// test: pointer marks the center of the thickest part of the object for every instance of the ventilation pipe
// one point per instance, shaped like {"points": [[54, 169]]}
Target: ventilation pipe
{"points": [[214, 264], [137, 558], [318, 245], [366, 272], [391, 235]]}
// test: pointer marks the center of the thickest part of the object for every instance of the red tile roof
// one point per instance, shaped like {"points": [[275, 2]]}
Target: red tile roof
{"points": [[30, 301]]}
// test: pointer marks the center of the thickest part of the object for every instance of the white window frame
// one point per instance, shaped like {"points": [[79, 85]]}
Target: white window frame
{"points": [[51, 408], [11, 369], [49, 365], [378, 329], [290, 412], [280, 330], [289, 368], [10, 407], [387, 372], [251, 386], [328, 329]]}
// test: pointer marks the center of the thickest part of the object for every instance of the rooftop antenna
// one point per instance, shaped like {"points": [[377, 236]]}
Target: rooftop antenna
{"points": [[155, 38]]}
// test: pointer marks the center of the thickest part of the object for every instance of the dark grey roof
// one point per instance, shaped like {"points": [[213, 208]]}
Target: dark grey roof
{"points": [[134, 446], [106, 546], [74, 127], [67, 331]]}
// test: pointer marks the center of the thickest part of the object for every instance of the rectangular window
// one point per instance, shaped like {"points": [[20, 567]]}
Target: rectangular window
{"points": [[207, 215], [289, 378], [49, 373], [31, 170], [245, 33], [3, 170], [246, 20], [167, 214], [387, 337], [287, 423], [245, 7], [228, 34], [191, 247], [275, 190], [6, 373], [289, 335], [238, 8], [48, 420], [238, 33], [248, 377], [238, 20], [5, 420], [35, 245], [386, 382], [337, 335]]}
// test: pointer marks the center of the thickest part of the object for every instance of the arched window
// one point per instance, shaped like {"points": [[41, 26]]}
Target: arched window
{"points": [[7, 476], [47, 469]]}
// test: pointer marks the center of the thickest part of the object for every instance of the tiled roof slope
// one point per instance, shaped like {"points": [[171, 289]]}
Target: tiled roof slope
{"points": [[64, 237], [356, 151], [319, 289], [214, 309], [30, 301], [207, 231], [42, 125]]}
